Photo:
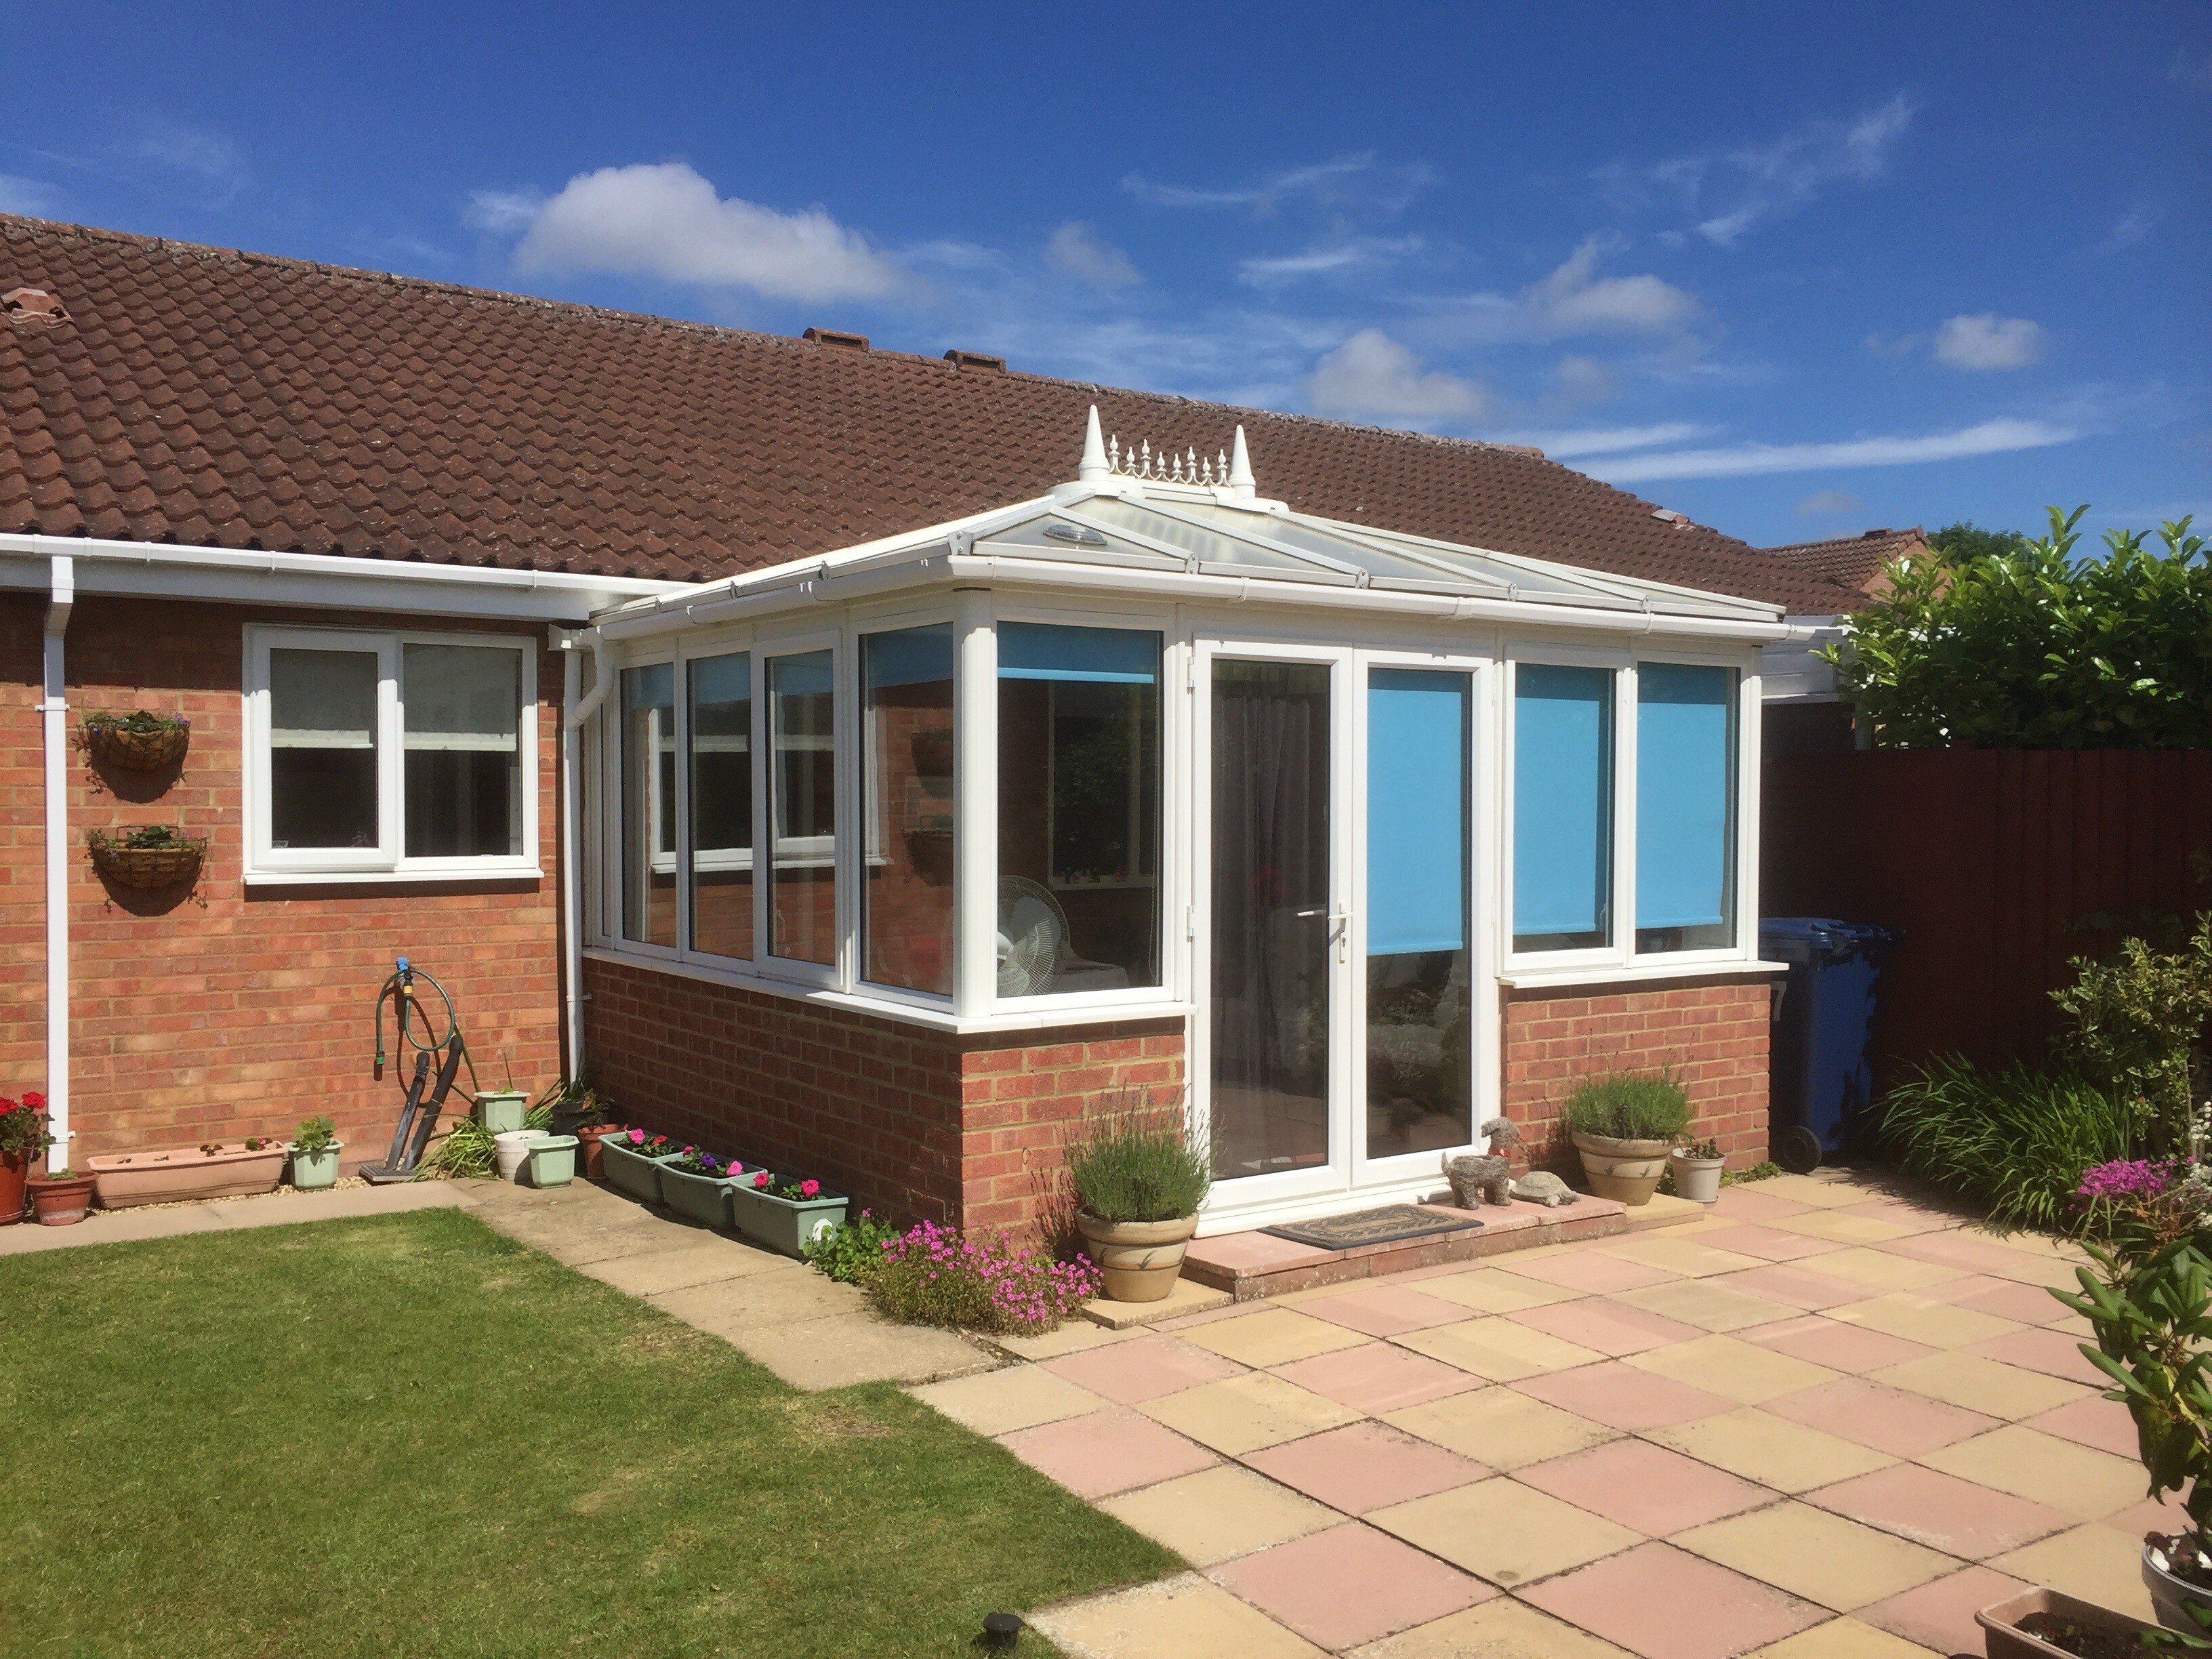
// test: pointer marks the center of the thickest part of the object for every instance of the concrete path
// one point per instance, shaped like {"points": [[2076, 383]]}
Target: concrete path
{"points": [[812, 1333], [1827, 1421], [276, 1209]]}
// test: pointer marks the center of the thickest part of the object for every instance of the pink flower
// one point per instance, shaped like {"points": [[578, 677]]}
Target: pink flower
{"points": [[761, 1179], [637, 1137], [809, 1188]]}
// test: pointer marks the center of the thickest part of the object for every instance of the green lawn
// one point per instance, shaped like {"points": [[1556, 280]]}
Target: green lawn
{"points": [[411, 1436]]}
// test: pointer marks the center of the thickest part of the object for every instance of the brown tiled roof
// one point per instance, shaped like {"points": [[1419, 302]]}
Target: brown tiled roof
{"points": [[220, 398], [1854, 563]]}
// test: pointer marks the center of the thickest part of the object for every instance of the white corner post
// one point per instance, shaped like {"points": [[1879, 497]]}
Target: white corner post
{"points": [[54, 705], [572, 955], [975, 803]]}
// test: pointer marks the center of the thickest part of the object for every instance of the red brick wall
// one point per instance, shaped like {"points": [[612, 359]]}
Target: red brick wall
{"points": [[966, 1130], [228, 1012], [1710, 1034]]}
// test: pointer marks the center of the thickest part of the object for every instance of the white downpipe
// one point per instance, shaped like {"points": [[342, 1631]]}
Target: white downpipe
{"points": [[55, 706], [576, 714], [975, 804], [572, 950]]}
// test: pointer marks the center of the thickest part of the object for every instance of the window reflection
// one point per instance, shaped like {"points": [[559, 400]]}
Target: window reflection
{"points": [[649, 804], [803, 806], [905, 918], [721, 804]]}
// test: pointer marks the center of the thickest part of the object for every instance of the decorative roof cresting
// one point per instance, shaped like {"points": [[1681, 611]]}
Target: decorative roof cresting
{"points": [[1104, 459]]}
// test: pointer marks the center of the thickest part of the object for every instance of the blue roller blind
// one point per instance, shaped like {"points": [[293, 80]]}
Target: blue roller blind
{"points": [[1046, 651], [1684, 748], [1562, 799], [908, 656], [1416, 854]]}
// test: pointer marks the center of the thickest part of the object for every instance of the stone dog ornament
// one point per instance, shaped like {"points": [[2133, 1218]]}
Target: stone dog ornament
{"points": [[1487, 1177]]}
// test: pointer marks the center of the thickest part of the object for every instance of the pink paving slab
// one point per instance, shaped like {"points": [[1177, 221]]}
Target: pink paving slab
{"points": [[1143, 1368], [1664, 1603], [1106, 1452], [1364, 1466], [1350, 1585], [1385, 1310], [1644, 1487], [1377, 1378], [1941, 1510], [1831, 1343], [1613, 1328], [1940, 1614], [1892, 1420], [1622, 1397]]}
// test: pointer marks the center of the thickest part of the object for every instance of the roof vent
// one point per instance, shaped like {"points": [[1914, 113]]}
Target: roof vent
{"points": [[1872, 535], [32, 305], [1679, 521], [960, 359], [838, 338], [1081, 535]]}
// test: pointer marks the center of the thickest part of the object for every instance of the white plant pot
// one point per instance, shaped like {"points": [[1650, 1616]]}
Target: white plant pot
{"points": [[514, 1148], [1697, 1179]]}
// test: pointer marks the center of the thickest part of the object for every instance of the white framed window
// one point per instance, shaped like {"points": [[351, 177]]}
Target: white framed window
{"points": [[389, 756]]}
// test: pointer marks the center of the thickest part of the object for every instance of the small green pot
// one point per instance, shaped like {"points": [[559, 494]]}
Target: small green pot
{"points": [[550, 1161], [312, 1171], [629, 1172], [501, 1110], [785, 1224]]}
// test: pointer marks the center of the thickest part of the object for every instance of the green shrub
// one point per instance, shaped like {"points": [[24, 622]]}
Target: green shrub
{"points": [[1140, 1164], [851, 1253], [2014, 1141], [467, 1150], [2139, 1018], [314, 1134], [1626, 1106]]}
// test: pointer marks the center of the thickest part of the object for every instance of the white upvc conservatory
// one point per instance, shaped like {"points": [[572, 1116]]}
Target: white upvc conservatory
{"points": [[1151, 745]]}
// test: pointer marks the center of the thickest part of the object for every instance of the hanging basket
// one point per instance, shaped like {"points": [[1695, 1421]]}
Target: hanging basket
{"points": [[162, 864], [141, 742]]}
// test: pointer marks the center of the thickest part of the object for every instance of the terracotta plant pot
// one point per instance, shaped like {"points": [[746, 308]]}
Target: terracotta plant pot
{"points": [[1139, 1260], [1697, 1179], [2004, 1639], [60, 1203], [588, 1142], [162, 1177], [14, 1168], [1625, 1171]]}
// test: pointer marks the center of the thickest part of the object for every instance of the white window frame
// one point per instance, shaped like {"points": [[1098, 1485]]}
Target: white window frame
{"points": [[867, 847], [269, 865], [810, 852]]}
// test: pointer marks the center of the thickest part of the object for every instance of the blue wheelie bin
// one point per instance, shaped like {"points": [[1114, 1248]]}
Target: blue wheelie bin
{"points": [[1823, 1065]]}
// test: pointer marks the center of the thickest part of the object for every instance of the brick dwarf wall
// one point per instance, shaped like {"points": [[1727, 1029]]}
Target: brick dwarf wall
{"points": [[224, 1012], [1712, 1034], [969, 1130]]}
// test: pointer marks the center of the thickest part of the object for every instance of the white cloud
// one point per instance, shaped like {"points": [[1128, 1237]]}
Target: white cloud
{"points": [[1989, 438], [664, 219], [1987, 341], [27, 196], [207, 157], [1075, 248], [1585, 380], [1371, 376], [1574, 300], [1735, 189], [2135, 225], [1607, 441], [502, 212], [1332, 259], [1354, 180], [1822, 502]]}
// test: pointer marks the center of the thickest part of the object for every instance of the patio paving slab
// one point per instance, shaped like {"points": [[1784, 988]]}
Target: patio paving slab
{"points": [[1988, 1386], [1605, 1325], [1144, 1367], [845, 1349], [1755, 1204], [2093, 1421], [1384, 1309], [1939, 1615], [2024, 1304], [1841, 1226], [1693, 1258], [1824, 1340], [1794, 1285], [1823, 1190], [1742, 1372], [1501, 1629], [1076, 1336], [1622, 1397], [2038, 1348], [1503, 1531], [729, 1308], [2069, 1478], [681, 1266], [1377, 1378], [1498, 1349], [1663, 1602], [999, 1402], [1271, 1336], [1880, 1271], [1184, 1616], [1820, 1556], [1770, 1450], [1708, 1304], [1495, 1291], [1644, 1487], [1918, 1317], [1111, 1451], [1502, 1427], [1184, 1297], [1892, 1420], [2095, 1562], [1766, 1244], [276, 1209], [1365, 1465], [1588, 1270], [1349, 1585], [1941, 1511], [1845, 1639], [1219, 1513], [1243, 1413]]}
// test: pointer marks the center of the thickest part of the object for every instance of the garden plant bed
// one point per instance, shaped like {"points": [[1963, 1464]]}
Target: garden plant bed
{"points": [[584, 1501]]}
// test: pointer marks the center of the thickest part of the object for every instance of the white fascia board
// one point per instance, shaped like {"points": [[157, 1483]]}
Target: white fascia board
{"points": [[161, 570]]}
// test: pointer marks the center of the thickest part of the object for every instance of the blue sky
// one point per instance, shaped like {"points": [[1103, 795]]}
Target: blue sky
{"points": [[1795, 270]]}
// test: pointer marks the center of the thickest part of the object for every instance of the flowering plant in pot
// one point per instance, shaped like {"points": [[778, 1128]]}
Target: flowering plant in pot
{"points": [[315, 1147], [696, 1185], [60, 1197], [631, 1159], [1139, 1177], [2148, 1302], [785, 1213], [1696, 1166], [1624, 1126], [23, 1140]]}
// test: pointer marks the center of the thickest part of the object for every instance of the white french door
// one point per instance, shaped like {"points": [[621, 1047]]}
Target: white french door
{"points": [[1338, 1038]]}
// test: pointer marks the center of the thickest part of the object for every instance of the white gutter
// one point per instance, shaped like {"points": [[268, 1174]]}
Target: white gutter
{"points": [[160, 569], [61, 599], [578, 712]]}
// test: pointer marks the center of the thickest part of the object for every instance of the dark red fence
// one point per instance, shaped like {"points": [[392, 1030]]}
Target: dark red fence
{"points": [[1999, 866]]}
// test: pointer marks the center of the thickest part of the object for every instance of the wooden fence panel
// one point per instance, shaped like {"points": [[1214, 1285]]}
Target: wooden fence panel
{"points": [[1999, 864]]}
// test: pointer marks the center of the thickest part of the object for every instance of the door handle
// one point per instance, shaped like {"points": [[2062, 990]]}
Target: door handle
{"points": [[1340, 927]]}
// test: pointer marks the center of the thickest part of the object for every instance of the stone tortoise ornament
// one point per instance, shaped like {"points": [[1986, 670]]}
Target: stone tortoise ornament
{"points": [[1487, 1177]]}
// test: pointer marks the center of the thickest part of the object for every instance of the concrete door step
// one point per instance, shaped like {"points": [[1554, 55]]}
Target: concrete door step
{"points": [[1244, 1267]]}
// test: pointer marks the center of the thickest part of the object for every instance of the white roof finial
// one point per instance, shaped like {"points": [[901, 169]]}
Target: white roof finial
{"points": [[1093, 467], [1240, 470]]}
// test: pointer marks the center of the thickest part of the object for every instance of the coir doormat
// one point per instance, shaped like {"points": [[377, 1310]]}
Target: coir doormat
{"points": [[1386, 1225]]}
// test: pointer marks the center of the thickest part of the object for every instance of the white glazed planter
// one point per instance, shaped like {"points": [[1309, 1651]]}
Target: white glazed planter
{"points": [[1697, 1179], [512, 1148]]}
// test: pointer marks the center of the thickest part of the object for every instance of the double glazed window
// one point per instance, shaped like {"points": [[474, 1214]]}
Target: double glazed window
{"points": [[387, 753], [1567, 767]]}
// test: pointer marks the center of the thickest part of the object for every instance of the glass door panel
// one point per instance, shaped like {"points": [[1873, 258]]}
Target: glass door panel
{"points": [[1274, 923]]}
